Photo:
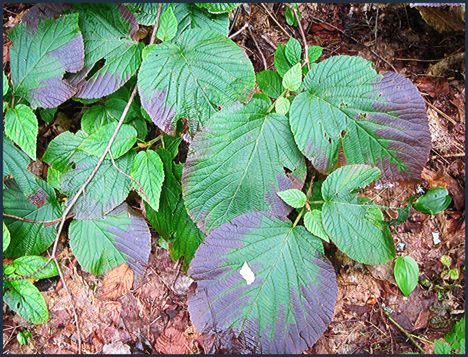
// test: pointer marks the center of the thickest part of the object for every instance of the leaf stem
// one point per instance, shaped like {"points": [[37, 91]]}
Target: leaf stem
{"points": [[274, 103], [306, 48], [299, 216], [405, 332], [315, 202]]}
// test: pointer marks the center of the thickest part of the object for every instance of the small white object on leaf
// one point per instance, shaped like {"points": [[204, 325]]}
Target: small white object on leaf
{"points": [[247, 273]]}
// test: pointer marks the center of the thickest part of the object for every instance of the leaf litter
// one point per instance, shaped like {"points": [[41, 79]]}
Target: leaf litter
{"points": [[141, 319]]}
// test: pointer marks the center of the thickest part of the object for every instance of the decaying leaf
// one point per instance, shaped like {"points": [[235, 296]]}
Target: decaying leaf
{"points": [[117, 282], [172, 341]]}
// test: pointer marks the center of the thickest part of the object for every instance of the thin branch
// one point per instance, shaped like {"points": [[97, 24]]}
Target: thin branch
{"points": [[241, 29], [235, 19], [274, 19], [269, 42], [306, 47], [355, 40], [130, 177], [441, 112], [258, 48], [405, 332], [30, 221], [156, 25]]}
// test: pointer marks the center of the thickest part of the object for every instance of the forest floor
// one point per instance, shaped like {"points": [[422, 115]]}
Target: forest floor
{"points": [[153, 317]]}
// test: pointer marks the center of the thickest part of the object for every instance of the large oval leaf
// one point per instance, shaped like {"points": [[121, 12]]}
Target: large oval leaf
{"points": [[267, 281], [29, 238], [26, 300], [352, 224], [219, 8], [379, 120], [120, 237], [236, 165], [192, 77], [42, 51], [109, 34]]}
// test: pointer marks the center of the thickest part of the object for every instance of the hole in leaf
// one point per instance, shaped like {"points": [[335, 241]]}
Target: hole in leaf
{"points": [[97, 66], [343, 133]]}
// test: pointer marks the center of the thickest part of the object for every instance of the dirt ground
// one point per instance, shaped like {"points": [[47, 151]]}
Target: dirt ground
{"points": [[153, 317]]}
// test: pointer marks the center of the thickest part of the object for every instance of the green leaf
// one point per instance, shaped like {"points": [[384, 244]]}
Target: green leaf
{"points": [[140, 126], [434, 201], [218, 8], [314, 53], [293, 197], [263, 97], [281, 62], [293, 51], [15, 162], [148, 170], [29, 238], [265, 279], [108, 188], [191, 78], [187, 237], [5, 84], [282, 106], [348, 222], [111, 38], [96, 143], [290, 17], [100, 115], [441, 348], [122, 236], [270, 83], [221, 175], [24, 298], [456, 337], [162, 221], [188, 16], [21, 126], [167, 26], [313, 223], [42, 51], [26, 265], [6, 237], [47, 114], [62, 148], [406, 274], [379, 120], [54, 178], [292, 79], [171, 144]]}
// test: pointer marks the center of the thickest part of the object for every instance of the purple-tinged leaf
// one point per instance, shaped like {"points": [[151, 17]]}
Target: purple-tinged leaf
{"points": [[29, 238], [379, 120], [289, 303], [42, 51], [43, 11], [109, 34], [192, 77], [122, 236], [237, 165]]}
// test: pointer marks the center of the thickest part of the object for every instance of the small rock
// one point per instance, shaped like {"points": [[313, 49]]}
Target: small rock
{"points": [[116, 348]]}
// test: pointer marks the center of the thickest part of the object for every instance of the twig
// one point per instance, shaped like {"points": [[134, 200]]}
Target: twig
{"points": [[258, 48], [359, 42], [179, 266], [441, 112], [449, 155], [376, 23], [404, 331], [130, 177], [238, 32], [156, 25], [269, 42], [235, 19], [58, 220], [28, 220], [274, 19], [306, 47]]}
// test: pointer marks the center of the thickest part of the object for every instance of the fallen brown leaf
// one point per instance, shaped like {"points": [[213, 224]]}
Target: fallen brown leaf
{"points": [[172, 341], [117, 282]]}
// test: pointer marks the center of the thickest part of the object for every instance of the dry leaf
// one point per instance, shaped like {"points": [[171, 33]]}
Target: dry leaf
{"points": [[117, 282], [172, 341]]}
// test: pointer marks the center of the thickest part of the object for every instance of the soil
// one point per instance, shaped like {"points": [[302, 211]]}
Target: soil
{"points": [[153, 317]]}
